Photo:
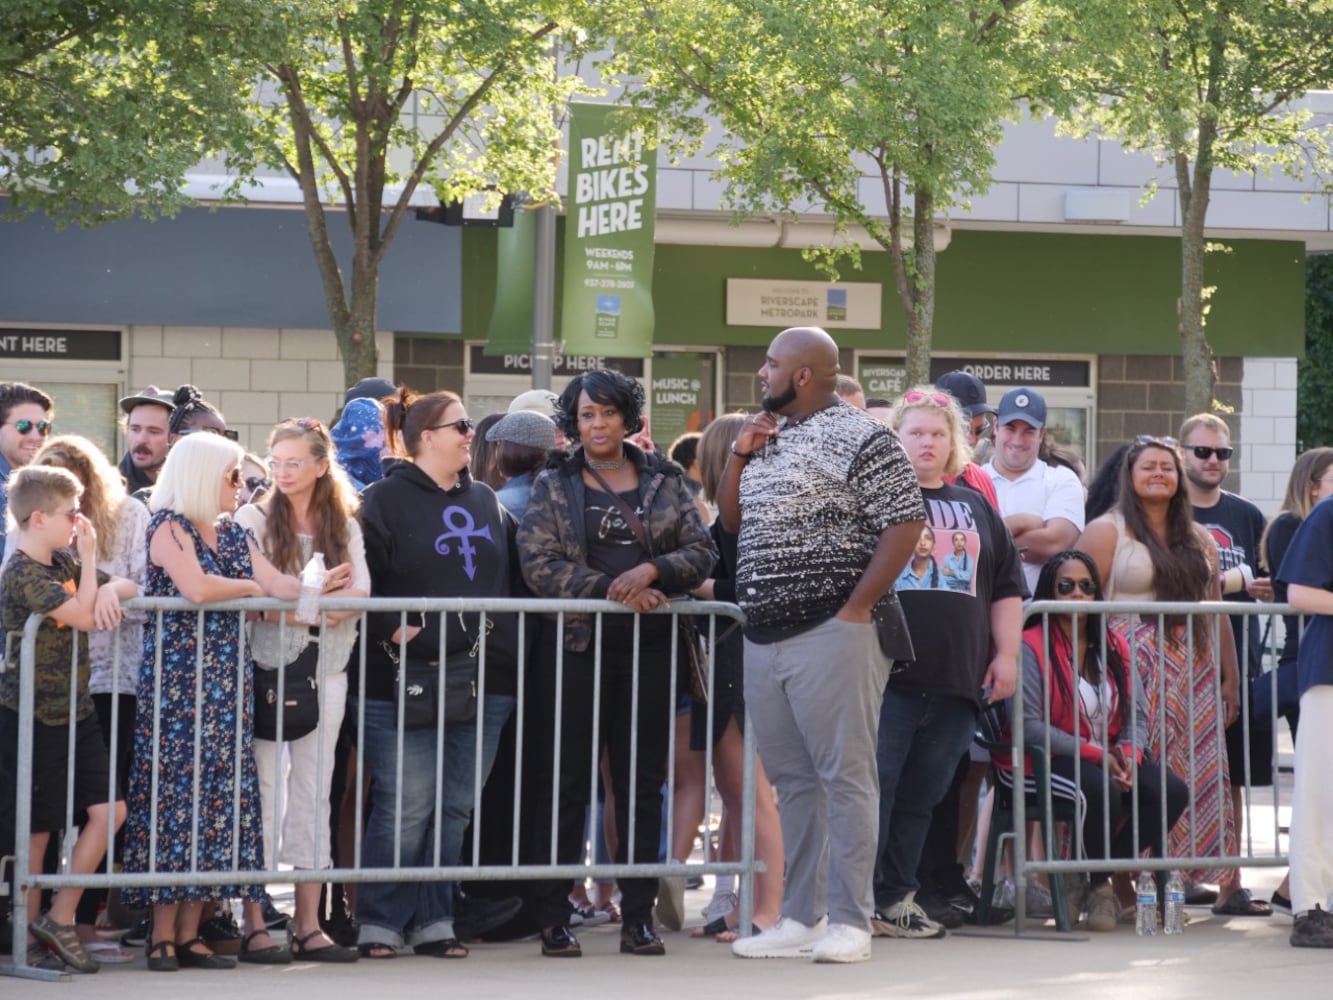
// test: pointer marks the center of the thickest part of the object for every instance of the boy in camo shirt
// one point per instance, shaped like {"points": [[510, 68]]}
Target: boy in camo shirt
{"points": [[43, 577]]}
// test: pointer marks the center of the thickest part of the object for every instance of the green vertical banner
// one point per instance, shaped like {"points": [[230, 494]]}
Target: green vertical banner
{"points": [[610, 208], [510, 330]]}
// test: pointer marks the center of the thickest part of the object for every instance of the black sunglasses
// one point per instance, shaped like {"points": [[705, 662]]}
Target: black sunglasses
{"points": [[43, 427], [1066, 587], [253, 483], [1203, 452], [463, 426], [230, 434]]}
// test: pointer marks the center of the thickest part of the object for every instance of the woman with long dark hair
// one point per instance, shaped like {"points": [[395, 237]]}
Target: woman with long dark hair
{"points": [[430, 531], [1148, 548], [1081, 699], [312, 509], [610, 521]]}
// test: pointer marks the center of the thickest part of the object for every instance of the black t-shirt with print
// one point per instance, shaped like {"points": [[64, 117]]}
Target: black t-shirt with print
{"points": [[949, 622]]}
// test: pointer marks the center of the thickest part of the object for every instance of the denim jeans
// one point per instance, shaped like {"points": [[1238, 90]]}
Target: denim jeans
{"points": [[921, 737], [398, 913]]}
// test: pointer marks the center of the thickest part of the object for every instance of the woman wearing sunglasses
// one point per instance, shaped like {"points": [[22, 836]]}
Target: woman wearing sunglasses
{"points": [[190, 711], [1082, 701], [430, 531], [1148, 548]]}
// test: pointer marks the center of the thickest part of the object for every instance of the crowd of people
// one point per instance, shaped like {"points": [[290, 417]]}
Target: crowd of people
{"points": [[881, 551]]}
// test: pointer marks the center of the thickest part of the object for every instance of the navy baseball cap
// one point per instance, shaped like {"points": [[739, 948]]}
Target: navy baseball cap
{"points": [[1023, 404], [967, 389]]}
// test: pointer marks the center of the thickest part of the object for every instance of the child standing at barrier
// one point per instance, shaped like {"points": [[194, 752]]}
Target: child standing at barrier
{"points": [[44, 578]]}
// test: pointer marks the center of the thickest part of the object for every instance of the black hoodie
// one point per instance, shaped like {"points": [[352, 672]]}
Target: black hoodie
{"points": [[425, 541]]}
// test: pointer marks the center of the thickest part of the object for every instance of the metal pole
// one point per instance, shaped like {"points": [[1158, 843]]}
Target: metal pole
{"points": [[543, 300]]}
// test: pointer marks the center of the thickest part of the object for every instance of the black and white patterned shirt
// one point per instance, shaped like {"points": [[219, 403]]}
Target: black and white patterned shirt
{"points": [[813, 506]]}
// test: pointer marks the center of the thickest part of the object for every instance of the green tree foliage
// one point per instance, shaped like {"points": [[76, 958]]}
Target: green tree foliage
{"points": [[1200, 85], [881, 114], [376, 98], [1314, 373], [104, 106]]}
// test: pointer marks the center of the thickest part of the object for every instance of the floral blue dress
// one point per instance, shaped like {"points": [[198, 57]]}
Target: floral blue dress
{"points": [[190, 839]]}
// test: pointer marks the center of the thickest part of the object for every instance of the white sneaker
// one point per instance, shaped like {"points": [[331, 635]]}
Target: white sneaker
{"points": [[1103, 909], [786, 939], [843, 943]]}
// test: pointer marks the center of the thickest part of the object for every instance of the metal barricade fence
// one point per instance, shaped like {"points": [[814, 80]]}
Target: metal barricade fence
{"points": [[1162, 641], [713, 620]]}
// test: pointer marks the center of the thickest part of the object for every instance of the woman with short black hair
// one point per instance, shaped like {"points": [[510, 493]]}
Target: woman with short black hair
{"points": [[610, 521]]}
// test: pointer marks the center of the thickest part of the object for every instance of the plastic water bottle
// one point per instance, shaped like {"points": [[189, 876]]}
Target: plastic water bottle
{"points": [[1173, 920], [312, 585], [1145, 920]]}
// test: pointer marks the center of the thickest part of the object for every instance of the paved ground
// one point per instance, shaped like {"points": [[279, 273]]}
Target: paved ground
{"points": [[1214, 958]]}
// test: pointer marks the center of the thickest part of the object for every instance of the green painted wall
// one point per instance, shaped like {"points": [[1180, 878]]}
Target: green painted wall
{"points": [[998, 292]]}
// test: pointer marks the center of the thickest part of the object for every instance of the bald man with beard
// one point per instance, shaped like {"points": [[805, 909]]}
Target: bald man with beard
{"points": [[828, 511]]}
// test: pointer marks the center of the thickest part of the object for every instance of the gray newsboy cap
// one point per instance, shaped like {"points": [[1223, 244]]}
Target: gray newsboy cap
{"points": [[526, 427]]}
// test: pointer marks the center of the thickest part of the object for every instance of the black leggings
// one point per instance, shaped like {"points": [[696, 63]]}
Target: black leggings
{"points": [[574, 781], [1095, 817]]}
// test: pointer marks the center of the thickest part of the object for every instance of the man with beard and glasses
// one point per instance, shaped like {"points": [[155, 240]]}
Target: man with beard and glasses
{"points": [[828, 511], [147, 415]]}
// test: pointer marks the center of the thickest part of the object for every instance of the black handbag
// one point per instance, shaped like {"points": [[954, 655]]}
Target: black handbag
{"points": [[417, 689], [895, 641], [299, 697]]}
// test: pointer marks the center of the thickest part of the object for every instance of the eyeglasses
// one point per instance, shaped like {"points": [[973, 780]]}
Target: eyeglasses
{"points": [[42, 427], [291, 465], [228, 433], [1165, 442], [256, 483], [1066, 587], [1203, 453], [463, 426], [234, 479], [914, 396]]}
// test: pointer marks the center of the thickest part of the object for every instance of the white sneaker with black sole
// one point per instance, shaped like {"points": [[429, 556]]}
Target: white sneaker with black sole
{"points": [[843, 943], [905, 919], [786, 939]]}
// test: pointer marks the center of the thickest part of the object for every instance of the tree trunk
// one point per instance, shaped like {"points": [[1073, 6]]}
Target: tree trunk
{"points": [[356, 339], [1195, 350], [919, 303]]}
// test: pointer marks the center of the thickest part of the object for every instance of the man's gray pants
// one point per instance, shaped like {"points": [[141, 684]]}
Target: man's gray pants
{"points": [[814, 701]]}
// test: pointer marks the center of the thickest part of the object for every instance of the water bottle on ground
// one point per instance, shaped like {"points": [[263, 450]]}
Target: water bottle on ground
{"points": [[312, 585], [1173, 917], [1145, 921]]}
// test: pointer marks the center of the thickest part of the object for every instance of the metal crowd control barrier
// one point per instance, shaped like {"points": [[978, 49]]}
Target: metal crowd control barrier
{"points": [[1149, 665], [527, 611]]}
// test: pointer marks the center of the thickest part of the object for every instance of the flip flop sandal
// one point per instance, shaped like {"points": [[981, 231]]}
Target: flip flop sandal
{"points": [[447, 948], [1241, 904], [714, 927], [377, 951], [62, 939]]}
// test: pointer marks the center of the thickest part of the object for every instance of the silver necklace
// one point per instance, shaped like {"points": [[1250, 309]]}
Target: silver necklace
{"points": [[601, 466]]}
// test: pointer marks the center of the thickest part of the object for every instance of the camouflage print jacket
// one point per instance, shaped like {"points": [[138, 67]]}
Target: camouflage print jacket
{"points": [[552, 540]]}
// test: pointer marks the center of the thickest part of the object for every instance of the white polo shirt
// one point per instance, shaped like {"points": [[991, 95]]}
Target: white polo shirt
{"points": [[1045, 490]]}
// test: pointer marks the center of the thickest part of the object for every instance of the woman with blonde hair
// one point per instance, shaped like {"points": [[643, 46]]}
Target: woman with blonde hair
{"points": [[121, 523], [193, 781], [312, 509]]}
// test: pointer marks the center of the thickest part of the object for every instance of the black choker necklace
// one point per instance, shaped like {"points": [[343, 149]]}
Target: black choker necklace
{"points": [[600, 466]]}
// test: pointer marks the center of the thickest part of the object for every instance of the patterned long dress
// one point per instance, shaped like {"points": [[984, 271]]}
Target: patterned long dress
{"points": [[220, 698], [1180, 687]]}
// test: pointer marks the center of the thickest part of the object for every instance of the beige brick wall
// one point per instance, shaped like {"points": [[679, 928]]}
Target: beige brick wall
{"points": [[256, 377]]}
